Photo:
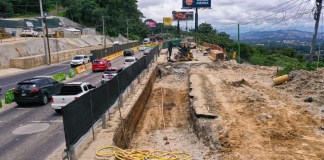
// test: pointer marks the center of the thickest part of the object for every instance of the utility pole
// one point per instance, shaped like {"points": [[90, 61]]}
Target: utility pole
{"points": [[103, 31], [196, 20], [238, 44], [127, 28], [317, 16], [48, 46], [43, 28]]}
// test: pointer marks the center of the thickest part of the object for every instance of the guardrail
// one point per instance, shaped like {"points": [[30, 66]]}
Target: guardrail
{"points": [[81, 114]]}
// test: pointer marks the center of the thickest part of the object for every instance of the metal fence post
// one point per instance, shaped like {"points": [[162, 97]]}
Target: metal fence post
{"points": [[104, 121]]}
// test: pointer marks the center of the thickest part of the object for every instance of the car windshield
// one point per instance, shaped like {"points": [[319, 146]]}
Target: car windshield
{"points": [[26, 86], [77, 58], [129, 60], [98, 62], [70, 90], [110, 72]]}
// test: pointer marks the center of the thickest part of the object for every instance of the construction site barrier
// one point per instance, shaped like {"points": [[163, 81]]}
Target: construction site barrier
{"points": [[80, 69], [9, 96], [80, 115]]}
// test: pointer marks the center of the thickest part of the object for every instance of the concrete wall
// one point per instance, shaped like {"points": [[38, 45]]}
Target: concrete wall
{"points": [[39, 60], [33, 46], [124, 134]]}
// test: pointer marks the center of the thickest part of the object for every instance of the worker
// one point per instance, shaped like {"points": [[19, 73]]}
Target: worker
{"points": [[234, 55], [170, 50]]}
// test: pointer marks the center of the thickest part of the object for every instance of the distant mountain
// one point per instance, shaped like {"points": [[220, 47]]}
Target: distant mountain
{"points": [[279, 35]]}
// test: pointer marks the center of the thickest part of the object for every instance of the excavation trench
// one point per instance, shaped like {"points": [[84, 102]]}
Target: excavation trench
{"points": [[163, 118]]}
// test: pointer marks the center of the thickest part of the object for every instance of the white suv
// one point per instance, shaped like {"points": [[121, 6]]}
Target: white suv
{"points": [[79, 60]]}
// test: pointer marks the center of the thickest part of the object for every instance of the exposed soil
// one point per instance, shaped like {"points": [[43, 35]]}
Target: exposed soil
{"points": [[256, 120], [177, 134]]}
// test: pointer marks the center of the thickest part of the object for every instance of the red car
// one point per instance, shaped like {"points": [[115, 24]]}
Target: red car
{"points": [[100, 65]]}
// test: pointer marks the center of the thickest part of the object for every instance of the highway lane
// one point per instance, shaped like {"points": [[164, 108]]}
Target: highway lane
{"points": [[9, 82], [35, 131]]}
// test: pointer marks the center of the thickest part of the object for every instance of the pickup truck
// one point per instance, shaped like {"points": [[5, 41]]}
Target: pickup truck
{"points": [[69, 93]]}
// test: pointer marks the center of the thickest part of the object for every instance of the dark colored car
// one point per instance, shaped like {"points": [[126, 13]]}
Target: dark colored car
{"points": [[36, 90], [100, 65], [128, 52]]}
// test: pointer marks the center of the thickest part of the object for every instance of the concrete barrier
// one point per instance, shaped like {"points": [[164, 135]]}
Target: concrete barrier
{"points": [[88, 66], [80, 69]]}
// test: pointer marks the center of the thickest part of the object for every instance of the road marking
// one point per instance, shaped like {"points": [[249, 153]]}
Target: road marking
{"points": [[56, 70], [55, 121], [41, 75]]}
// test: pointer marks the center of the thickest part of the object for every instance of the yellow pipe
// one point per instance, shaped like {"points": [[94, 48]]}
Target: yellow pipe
{"points": [[281, 79]]}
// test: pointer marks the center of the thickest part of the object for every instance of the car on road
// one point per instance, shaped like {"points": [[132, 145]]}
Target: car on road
{"points": [[128, 52], [116, 43], [100, 65], [69, 93], [146, 41], [109, 74], [37, 89], [129, 61], [29, 32], [142, 48], [79, 60], [147, 51]]}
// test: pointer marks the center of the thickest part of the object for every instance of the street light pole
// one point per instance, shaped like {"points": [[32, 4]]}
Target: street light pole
{"points": [[43, 28], [127, 28]]}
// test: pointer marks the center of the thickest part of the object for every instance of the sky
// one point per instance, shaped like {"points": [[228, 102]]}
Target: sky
{"points": [[253, 15]]}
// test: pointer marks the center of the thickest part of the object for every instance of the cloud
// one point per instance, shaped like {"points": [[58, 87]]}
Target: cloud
{"points": [[252, 14]]}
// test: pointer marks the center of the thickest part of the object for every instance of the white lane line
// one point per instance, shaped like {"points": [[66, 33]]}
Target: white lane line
{"points": [[55, 121], [43, 75], [56, 70]]}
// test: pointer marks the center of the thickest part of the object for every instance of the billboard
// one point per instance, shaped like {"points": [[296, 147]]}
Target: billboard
{"points": [[196, 3], [151, 23], [167, 21], [182, 15]]}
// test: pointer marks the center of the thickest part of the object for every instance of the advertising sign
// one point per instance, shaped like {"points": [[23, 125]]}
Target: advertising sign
{"points": [[167, 21], [196, 3], [182, 16], [151, 23]]}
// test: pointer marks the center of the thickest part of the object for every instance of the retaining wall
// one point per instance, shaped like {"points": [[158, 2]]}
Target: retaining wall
{"points": [[39, 60]]}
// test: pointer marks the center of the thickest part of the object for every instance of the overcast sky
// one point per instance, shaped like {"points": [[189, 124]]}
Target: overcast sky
{"points": [[253, 15]]}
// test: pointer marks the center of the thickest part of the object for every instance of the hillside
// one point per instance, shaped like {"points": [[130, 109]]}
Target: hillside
{"points": [[279, 35]]}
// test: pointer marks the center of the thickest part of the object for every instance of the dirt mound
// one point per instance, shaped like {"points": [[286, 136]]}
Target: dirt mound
{"points": [[307, 84], [256, 120]]}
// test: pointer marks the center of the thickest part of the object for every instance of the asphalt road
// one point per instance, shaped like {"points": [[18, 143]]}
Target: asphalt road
{"points": [[34, 132]]}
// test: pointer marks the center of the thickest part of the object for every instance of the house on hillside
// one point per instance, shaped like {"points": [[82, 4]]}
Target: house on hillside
{"points": [[55, 25]]}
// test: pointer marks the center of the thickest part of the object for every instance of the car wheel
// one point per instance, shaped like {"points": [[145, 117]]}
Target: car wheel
{"points": [[20, 104], [44, 99], [93, 71], [59, 111]]}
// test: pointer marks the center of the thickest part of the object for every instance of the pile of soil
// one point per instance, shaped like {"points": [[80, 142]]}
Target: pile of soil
{"points": [[257, 120]]}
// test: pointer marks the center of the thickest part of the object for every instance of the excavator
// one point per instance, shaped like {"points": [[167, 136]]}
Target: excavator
{"points": [[184, 53]]}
